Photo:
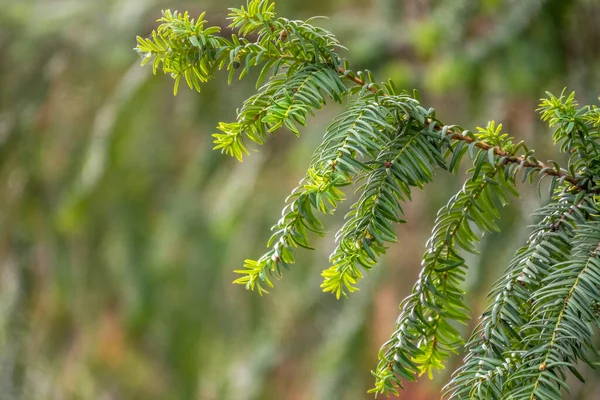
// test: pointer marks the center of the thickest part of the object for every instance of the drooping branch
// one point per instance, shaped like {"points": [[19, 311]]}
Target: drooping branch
{"points": [[562, 323], [386, 142], [492, 348]]}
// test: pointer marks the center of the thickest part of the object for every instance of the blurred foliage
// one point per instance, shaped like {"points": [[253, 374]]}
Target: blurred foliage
{"points": [[121, 227]]}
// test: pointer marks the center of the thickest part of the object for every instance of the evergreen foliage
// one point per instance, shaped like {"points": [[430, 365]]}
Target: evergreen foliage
{"points": [[543, 310]]}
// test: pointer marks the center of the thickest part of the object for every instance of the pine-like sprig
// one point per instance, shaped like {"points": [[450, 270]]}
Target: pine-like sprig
{"points": [[564, 315], [403, 160], [425, 335], [492, 346], [385, 144]]}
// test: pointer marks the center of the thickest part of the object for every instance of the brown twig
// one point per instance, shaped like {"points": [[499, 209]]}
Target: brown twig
{"points": [[354, 79], [486, 146], [554, 227], [516, 159]]}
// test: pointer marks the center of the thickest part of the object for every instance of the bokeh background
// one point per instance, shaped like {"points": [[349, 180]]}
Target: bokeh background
{"points": [[120, 227]]}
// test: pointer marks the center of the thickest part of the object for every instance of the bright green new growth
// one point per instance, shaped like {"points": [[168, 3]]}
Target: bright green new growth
{"points": [[544, 308]]}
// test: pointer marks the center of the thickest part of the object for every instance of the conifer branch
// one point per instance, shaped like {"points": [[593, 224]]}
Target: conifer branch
{"points": [[492, 347], [387, 143], [562, 322]]}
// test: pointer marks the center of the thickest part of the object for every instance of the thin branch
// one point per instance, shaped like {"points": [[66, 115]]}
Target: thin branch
{"points": [[354, 79], [515, 159], [485, 146], [554, 227], [596, 251]]}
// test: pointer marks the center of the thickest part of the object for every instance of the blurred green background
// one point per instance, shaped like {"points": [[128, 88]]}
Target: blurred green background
{"points": [[120, 227]]}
